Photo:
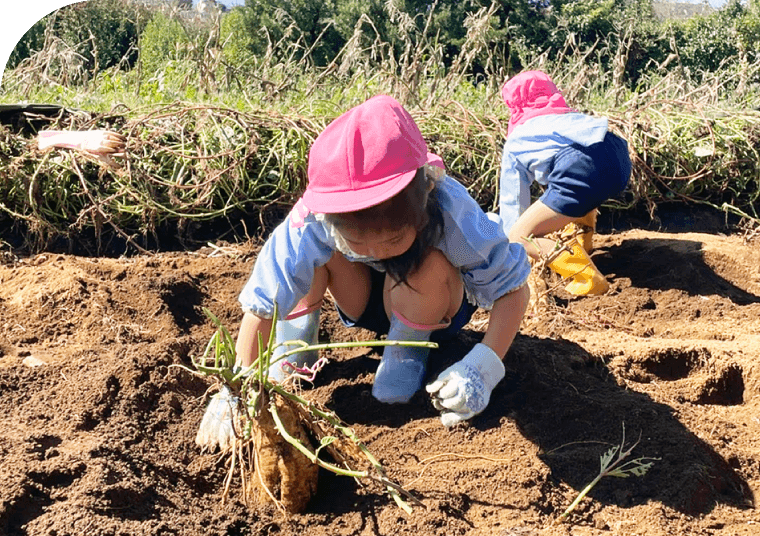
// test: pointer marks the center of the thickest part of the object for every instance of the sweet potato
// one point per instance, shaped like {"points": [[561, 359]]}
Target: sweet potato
{"points": [[283, 473]]}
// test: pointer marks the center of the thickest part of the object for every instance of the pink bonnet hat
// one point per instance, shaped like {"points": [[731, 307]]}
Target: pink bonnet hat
{"points": [[530, 94], [365, 156]]}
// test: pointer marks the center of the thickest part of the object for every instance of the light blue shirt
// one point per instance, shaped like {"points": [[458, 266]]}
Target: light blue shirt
{"points": [[472, 241], [529, 151]]}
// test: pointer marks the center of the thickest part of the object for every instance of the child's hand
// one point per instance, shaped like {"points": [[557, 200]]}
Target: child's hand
{"points": [[464, 389], [217, 427]]}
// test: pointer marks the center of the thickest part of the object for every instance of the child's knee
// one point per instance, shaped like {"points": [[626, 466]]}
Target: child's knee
{"points": [[437, 262], [318, 286], [350, 284], [434, 291]]}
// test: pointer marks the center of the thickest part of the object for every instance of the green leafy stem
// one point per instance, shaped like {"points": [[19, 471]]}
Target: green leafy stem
{"points": [[613, 464], [219, 359]]}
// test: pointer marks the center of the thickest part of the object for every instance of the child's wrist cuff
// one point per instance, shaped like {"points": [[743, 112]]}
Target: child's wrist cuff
{"points": [[487, 362]]}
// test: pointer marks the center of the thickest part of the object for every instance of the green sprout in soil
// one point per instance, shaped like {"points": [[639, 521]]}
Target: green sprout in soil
{"points": [[262, 401], [612, 464]]}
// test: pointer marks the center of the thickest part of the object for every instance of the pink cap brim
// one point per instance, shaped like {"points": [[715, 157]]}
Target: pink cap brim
{"points": [[337, 202]]}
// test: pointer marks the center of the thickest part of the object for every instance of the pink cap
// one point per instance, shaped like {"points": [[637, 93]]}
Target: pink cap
{"points": [[365, 156], [530, 94]]}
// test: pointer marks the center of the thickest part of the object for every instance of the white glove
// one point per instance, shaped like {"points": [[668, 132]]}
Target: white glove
{"points": [[464, 389], [217, 427]]}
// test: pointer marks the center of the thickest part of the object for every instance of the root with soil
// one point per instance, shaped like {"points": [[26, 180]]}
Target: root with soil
{"points": [[276, 428]]}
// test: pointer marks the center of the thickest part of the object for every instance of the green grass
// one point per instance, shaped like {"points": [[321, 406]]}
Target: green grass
{"points": [[211, 144]]}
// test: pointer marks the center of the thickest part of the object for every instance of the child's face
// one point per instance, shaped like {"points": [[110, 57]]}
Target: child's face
{"points": [[382, 244]]}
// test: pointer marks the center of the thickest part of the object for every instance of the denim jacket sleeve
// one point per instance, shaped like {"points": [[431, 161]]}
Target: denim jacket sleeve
{"points": [[284, 268]]}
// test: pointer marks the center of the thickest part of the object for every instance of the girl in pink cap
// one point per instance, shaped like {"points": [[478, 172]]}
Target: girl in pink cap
{"points": [[579, 161], [404, 251]]}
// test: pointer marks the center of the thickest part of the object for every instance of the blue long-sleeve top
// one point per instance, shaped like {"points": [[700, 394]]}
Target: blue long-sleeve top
{"points": [[473, 241], [529, 152]]}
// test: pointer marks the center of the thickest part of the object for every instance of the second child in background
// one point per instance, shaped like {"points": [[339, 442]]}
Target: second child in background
{"points": [[579, 161]]}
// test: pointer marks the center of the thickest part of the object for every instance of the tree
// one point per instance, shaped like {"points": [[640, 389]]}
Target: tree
{"points": [[104, 31], [307, 25], [163, 39], [32, 41]]}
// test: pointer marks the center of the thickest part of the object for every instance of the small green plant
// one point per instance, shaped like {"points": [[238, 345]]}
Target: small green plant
{"points": [[613, 464], [263, 407]]}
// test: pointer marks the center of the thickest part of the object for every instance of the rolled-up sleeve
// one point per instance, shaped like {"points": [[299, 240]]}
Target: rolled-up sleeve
{"points": [[475, 242], [284, 268]]}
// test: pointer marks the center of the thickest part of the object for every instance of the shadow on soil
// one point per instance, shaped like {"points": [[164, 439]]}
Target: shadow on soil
{"points": [[664, 264], [570, 405]]}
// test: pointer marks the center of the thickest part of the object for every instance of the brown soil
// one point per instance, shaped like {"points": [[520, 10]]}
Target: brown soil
{"points": [[97, 432]]}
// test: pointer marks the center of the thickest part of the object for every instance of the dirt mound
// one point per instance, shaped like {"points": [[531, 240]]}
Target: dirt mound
{"points": [[100, 415]]}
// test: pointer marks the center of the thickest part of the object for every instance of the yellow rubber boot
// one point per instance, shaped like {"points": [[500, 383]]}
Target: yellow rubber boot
{"points": [[583, 228], [576, 266]]}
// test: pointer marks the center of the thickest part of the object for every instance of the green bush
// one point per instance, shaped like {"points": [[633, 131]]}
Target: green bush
{"points": [[104, 31], [84, 38], [163, 40], [236, 39], [704, 42], [32, 41]]}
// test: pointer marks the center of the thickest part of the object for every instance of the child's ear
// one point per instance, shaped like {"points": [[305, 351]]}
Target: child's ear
{"points": [[430, 185], [433, 172]]}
